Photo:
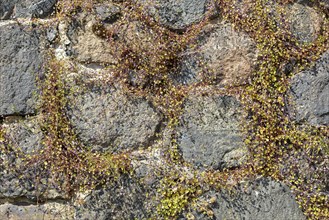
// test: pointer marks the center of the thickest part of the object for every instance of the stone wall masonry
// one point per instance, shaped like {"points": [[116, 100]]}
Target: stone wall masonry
{"points": [[179, 134]]}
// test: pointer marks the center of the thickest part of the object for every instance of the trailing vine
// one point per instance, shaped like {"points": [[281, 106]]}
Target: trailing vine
{"points": [[279, 147]]}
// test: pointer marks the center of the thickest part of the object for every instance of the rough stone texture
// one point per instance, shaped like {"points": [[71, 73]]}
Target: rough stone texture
{"points": [[88, 36], [310, 93], [87, 47], [305, 22], [26, 8], [50, 211], [107, 119], [13, 186], [126, 199], [230, 56], [108, 13], [16, 179], [210, 130], [180, 14], [177, 15], [110, 120], [24, 135], [262, 199], [20, 62]]}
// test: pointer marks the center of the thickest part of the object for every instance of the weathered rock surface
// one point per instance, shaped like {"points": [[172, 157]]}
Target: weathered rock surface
{"points": [[50, 211], [304, 21], [26, 8], [107, 119], [108, 13], [14, 186], [110, 120], [24, 135], [310, 93], [262, 199], [17, 180], [86, 46], [228, 54], [124, 200], [181, 14], [177, 15], [102, 38], [20, 62], [209, 131]]}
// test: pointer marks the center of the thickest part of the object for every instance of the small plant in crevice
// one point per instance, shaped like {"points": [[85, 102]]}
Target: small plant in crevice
{"points": [[63, 163], [4, 148], [176, 191], [63, 152], [148, 56], [279, 147]]}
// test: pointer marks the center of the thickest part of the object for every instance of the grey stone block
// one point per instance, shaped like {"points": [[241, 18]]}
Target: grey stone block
{"points": [[262, 199], [110, 120], [176, 14], [126, 199], [310, 93], [20, 62], [26, 8], [209, 131]]}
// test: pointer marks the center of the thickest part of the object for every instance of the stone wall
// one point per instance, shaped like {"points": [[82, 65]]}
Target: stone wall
{"points": [[142, 110]]}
